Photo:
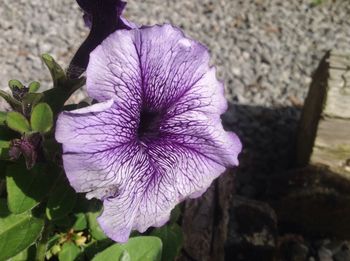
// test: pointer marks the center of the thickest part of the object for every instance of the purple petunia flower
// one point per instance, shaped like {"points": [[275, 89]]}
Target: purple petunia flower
{"points": [[155, 138]]}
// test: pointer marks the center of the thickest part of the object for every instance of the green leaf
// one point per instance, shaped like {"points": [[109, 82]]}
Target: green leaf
{"points": [[2, 118], [33, 87], [57, 73], [15, 84], [16, 105], [17, 122], [51, 149], [96, 247], [64, 223], [4, 148], [125, 256], [61, 201], [26, 188], [80, 222], [42, 118], [26, 254], [69, 252], [94, 228], [143, 248], [53, 240], [17, 232], [175, 214], [172, 239], [6, 135], [29, 101], [4, 144], [57, 97], [4, 154]]}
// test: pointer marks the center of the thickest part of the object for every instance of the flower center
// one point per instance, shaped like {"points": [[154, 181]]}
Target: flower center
{"points": [[149, 124]]}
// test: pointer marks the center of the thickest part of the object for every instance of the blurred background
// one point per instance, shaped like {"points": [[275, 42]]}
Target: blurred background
{"points": [[265, 52]]}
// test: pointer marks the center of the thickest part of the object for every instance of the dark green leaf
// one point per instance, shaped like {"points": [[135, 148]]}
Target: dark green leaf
{"points": [[51, 149], [15, 84], [17, 122], [4, 154], [4, 147], [94, 228], [172, 239], [16, 105], [143, 248], [42, 118], [2, 118], [8, 134], [175, 214], [61, 201], [57, 73], [33, 87], [5, 136], [95, 247], [17, 232], [64, 223], [69, 252], [26, 188], [29, 101], [57, 97]]}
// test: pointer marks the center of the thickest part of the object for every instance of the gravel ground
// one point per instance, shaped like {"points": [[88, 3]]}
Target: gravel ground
{"points": [[265, 51]]}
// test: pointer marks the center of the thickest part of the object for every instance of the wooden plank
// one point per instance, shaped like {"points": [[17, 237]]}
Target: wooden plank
{"points": [[324, 130], [338, 95], [311, 113], [332, 146], [205, 222]]}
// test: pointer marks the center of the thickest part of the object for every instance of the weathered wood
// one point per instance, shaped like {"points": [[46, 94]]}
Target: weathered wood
{"points": [[311, 113], [205, 222], [324, 130], [332, 146], [315, 197], [338, 94]]}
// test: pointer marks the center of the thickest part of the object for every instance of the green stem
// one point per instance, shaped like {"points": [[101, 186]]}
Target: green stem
{"points": [[42, 244]]}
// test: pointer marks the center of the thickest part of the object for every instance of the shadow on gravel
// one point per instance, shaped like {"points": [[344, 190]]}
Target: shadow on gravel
{"points": [[268, 136]]}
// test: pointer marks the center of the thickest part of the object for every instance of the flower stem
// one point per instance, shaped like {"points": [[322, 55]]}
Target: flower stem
{"points": [[42, 244]]}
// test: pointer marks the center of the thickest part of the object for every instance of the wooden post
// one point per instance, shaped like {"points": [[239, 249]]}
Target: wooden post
{"points": [[205, 222], [324, 130], [314, 198]]}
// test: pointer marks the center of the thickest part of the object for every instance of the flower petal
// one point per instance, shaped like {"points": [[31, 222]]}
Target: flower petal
{"points": [[93, 139], [157, 64], [170, 174], [140, 181]]}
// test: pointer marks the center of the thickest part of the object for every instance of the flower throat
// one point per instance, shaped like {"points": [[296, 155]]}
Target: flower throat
{"points": [[149, 124]]}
